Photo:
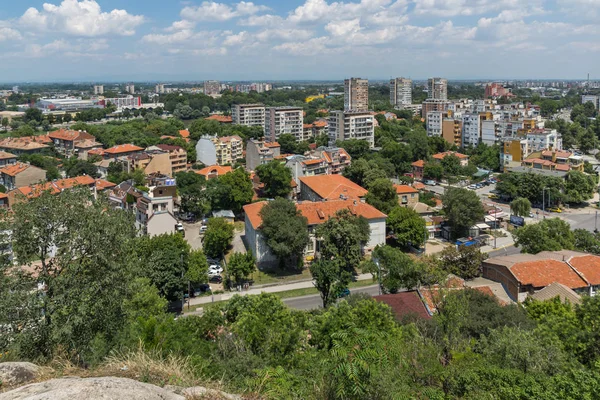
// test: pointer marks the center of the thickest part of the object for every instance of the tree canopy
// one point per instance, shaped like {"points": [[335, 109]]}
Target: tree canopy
{"points": [[463, 208]]}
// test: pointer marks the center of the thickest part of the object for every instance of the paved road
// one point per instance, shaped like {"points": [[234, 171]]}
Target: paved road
{"points": [[507, 251], [314, 301]]}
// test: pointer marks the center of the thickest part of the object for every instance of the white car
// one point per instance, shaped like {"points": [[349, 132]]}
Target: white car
{"points": [[217, 269]]}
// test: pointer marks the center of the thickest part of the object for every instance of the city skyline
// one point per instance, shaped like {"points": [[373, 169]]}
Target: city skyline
{"points": [[103, 40]]}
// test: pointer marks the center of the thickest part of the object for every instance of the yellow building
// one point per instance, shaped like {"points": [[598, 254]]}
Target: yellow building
{"points": [[315, 97]]}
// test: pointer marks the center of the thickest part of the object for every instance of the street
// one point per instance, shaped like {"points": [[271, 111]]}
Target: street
{"points": [[314, 301]]}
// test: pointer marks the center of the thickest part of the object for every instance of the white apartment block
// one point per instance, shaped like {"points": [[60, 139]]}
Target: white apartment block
{"points": [[471, 133], [544, 139], [284, 120], [401, 92], [490, 133], [437, 88], [248, 114], [356, 94], [344, 125], [595, 100], [130, 88], [228, 149], [212, 88], [160, 88], [98, 89], [434, 123]]}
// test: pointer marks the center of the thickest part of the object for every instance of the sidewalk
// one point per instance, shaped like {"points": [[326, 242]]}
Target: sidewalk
{"points": [[267, 289], [501, 242]]}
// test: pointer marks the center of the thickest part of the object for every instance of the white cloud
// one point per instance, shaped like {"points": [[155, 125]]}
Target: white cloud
{"points": [[81, 18], [9, 34], [450, 8], [171, 38], [213, 11], [343, 28]]}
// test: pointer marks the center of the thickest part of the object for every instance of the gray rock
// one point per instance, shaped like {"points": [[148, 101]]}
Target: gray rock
{"points": [[17, 373], [106, 388], [199, 392]]}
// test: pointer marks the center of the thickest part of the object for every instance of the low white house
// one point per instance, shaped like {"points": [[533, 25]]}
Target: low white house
{"points": [[316, 213]]}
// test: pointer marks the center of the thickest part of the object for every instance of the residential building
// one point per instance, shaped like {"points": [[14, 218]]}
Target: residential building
{"points": [[541, 139], [351, 125], [526, 274], [405, 305], [303, 166], [336, 157], [434, 122], [25, 144], [7, 158], [588, 98], [433, 105], [149, 162], [120, 150], [98, 89], [20, 174], [32, 191], [223, 119], [471, 133], [130, 88], [356, 94], [554, 160], [177, 155], [513, 152], [66, 141], [490, 133], [284, 120], [259, 152], [159, 88], [212, 88], [248, 114], [495, 90], [316, 129], [154, 214], [228, 149], [452, 130], [330, 187], [408, 196], [83, 148], [437, 88], [400, 92], [206, 151], [418, 168], [316, 213], [464, 159], [213, 171]]}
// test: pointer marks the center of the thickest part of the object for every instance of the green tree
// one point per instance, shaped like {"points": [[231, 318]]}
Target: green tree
{"points": [[463, 208], [396, 270], [231, 191], [288, 143], [465, 262], [342, 237], [75, 167], [356, 148], [217, 237], [580, 187], [276, 177], [285, 230], [451, 165], [586, 241], [382, 195], [520, 207], [5, 124], [240, 266], [433, 170], [145, 301], [329, 279], [197, 267], [407, 225], [548, 235]]}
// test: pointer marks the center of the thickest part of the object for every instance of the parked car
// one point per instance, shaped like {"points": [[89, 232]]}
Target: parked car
{"points": [[215, 269], [187, 217], [203, 229], [554, 209], [179, 229], [215, 279], [430, 182], [344, 293], [493, 196]]}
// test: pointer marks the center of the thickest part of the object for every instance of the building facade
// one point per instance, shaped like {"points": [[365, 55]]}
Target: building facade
{"points": [[401, 92], [248, 114], [228, 149], [437, 88], [356, 94], [259, 152], [284, 120], [351, 125], [212, 88]]}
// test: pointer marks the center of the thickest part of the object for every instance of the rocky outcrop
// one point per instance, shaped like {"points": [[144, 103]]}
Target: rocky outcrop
{"points": [[106, 388], [199, 392], [17, 373]]}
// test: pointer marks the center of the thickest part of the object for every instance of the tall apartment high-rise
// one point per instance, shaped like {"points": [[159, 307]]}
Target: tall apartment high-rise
{"points": [[130, 88], [98, 89], [160, 88], [345, 125], [212, 88], [284, 120], [437, 88], [401, 92], [248, 114], [356, 94]]}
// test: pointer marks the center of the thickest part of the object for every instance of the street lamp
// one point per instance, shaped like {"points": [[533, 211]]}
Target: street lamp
{"points": [[376, 261], [544, 202]]}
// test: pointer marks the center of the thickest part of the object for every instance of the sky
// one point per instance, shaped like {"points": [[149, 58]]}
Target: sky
{"points": [[266, 40]]}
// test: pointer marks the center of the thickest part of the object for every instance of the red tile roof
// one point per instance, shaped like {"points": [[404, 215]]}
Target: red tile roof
{"points": [[123, 148], [542, 273], [168, 147], [330, 187], [271, 144], [56, 186], [418, 185], [440, 156], [69, 135], [562, 167], [538, 161], [318, 212], [418, 163], [99, 152], [402, 189], [184, 133], [313, 162], [15, 169], [404, 304], [588, 266], [320, 124], [214, 170], [559, 153], [220, 118], [102, 184]]}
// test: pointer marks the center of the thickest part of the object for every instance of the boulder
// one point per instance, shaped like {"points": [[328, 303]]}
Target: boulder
{"points": [[199, 392], [17, 373], [105, 388]]}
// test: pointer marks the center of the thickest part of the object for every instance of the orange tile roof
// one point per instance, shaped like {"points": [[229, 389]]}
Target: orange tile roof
{"points": [[123, 148], [24, 143], [588, 266], [538, 161], [56, 186], [321, 124], [318, 212], [307, 126], [418, 185], [15, 169], [87, 143], [419, 163], [99, 152], [440, 156], [332, 186], [3, 196], [102, 184], [313, 162], [271, 144], [214, 169], [225, 139], [69, 135], [559, 153], [184, 133], [220, 118], [562, 167], [542, 273], [401, 189]]}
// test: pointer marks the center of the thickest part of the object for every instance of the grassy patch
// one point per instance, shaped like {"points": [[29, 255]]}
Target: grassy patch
{"points": [[279, 276]]}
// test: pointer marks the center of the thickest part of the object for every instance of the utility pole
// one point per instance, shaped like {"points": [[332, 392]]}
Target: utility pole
{"points": [[596, 223], [378, 273], [543, 202]]}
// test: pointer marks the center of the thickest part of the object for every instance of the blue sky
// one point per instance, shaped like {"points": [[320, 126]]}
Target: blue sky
{"points": [[169, 40]]}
